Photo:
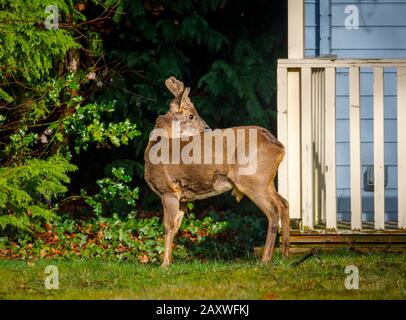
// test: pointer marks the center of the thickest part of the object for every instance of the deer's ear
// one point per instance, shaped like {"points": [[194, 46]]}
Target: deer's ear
{"points": [[177, 105], [185, 95]]}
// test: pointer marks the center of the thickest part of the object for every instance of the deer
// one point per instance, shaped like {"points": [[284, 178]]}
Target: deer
{"points": [[179, 182]]}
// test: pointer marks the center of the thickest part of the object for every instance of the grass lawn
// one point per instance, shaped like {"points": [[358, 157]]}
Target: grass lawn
{"points": [[319, 277]]}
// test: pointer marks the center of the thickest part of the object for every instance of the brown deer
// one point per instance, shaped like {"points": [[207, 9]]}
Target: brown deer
{"points": [[178, 181]]}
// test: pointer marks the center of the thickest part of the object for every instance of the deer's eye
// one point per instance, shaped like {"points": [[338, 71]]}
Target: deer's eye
{"points": [[191, 116]]}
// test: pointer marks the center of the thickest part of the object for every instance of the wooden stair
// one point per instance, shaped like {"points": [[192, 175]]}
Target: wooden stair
{"points": [[392, 240]]}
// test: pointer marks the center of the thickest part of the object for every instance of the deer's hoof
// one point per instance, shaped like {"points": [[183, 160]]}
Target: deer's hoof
{"points": [[266, 259], [285, 251]]}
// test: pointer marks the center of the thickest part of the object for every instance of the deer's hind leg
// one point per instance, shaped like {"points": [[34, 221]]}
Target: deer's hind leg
{"points": [[263, 200], [283, 212], [172, 221]]}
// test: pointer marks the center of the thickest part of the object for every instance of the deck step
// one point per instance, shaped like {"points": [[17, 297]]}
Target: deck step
{"points": [[365, 242]]}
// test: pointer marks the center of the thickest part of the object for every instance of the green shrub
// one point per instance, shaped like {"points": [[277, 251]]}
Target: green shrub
{"points": [[115, 194], [224, 235], [86, 126], [27, 191], [214, 236]]}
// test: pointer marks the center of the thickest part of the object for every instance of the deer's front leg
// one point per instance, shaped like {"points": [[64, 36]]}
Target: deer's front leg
{"points": [[172, 221]]}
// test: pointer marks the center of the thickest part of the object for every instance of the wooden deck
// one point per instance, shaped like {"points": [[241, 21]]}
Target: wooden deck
{"points": [[366, 226], [392, 240], [367, 240]]}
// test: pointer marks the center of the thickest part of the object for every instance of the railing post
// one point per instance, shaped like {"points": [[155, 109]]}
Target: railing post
{"points": [[293, 147], [323, 146], [316, 138], [307, 149], [282, 97], [379, 159], [401, 92], [355, 147], [330, 147]]}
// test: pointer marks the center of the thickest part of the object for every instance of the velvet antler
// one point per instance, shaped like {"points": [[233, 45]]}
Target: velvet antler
{"points": [[175, 86]]}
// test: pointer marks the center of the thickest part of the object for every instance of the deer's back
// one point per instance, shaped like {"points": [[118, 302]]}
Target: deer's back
{"points": [[202, 180]]}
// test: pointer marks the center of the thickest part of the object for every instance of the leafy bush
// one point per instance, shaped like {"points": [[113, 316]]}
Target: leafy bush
{"points": [[223, 235], [26, 192], [86, 126], [115, 194], [215, 236]]}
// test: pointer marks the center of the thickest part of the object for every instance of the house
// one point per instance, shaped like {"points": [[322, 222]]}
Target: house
{"points": [[342, 115]]}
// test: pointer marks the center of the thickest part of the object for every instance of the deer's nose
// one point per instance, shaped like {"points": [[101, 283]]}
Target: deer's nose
{"points": [[207, 128]]}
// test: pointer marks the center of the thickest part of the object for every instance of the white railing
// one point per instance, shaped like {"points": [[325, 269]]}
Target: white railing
{"points": [[306, 126]]}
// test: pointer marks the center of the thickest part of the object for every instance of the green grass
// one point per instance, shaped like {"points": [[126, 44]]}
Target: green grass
{"points": [[319, 277]]}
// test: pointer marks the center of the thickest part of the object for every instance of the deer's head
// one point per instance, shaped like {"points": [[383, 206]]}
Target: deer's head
{"points": [[182, 112]]}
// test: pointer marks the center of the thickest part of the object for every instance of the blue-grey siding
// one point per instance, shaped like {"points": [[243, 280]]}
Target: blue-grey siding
{"points": [[381, 34], [312, 28]]}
